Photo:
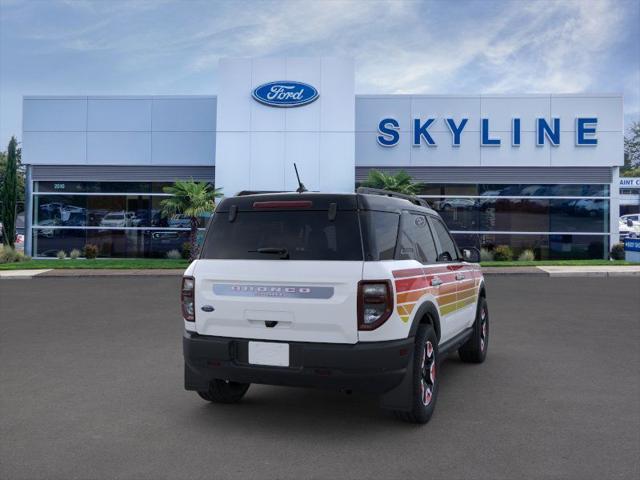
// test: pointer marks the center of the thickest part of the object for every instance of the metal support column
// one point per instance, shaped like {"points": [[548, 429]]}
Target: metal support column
{"points": [[614, 208], [28, 211]]}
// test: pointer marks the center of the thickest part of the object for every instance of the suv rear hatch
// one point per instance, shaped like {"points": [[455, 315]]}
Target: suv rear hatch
{"points": [[281, 267]]}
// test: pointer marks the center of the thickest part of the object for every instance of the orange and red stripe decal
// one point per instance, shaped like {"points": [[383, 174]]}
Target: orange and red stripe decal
{"points": [[412, 283]]}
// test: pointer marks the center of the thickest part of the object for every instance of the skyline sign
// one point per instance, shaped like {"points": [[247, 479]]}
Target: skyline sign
{"points": [[546, 132]]}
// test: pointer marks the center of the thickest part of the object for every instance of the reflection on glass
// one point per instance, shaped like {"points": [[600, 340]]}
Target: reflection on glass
{"points": [[510, 190], [545, 247], [105, 211], [48, 241], [137, 243], [111, 243], [523, 215], [59, 210]]}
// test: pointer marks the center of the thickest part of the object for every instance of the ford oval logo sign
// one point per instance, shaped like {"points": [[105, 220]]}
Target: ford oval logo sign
{"points": [[285, 94]]}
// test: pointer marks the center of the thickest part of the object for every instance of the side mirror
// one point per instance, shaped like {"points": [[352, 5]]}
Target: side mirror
{"points": [[444, 257], [629, 222], [471, 255]]}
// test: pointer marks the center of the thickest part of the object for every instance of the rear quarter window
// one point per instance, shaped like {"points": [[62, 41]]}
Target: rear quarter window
{"points": [[305, 235], [416, 241], [380, 234]]}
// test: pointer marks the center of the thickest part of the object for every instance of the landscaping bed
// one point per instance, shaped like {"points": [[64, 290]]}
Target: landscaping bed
{"points": [[160, 263]]}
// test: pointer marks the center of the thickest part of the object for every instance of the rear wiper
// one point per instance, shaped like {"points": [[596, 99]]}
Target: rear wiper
{"points": [[283, 252]]}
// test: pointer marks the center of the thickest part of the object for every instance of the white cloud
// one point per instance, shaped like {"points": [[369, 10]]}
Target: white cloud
{"points": [[524, 49]]}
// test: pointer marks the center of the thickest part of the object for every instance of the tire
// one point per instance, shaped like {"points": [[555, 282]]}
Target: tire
{"points": [[475, 349], [425, 381], [221, 391]]}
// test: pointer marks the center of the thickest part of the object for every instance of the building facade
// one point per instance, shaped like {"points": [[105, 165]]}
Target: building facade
{"points": [[535, 172]]}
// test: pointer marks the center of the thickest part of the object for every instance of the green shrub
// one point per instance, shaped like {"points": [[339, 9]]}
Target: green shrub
{"points": [[617, 252], [174, 254], [75, 253], [8, 255], [527, 256], [61, 254], [486, 255], [90, 251], [502, 253], [11, 255], [186, 250], [22, 257]]}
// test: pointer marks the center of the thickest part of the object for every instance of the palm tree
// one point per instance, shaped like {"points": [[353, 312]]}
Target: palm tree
{"points": [[193, 199], [401, 182]]}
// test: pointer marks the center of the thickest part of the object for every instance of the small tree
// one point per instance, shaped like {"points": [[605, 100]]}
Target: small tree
{"points": [[401, 182], [8, 195], [193, 199], [19, 172], [631, 166]]}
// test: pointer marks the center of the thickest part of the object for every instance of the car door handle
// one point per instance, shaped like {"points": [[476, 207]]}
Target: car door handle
{"points": [[459, 276], [436, 282]]}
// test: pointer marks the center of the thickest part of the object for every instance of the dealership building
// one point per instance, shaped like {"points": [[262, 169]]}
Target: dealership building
{"points": [[537, 172]]}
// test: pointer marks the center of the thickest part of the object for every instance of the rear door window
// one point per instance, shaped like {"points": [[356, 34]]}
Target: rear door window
{"points": [[275, 235], [416, 241], [447, 252]]}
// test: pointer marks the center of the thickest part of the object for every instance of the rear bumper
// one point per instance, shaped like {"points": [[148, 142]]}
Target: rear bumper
{"points": [[374, 367]]}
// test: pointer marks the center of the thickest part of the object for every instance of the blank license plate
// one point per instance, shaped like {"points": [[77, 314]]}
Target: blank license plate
{"points": [[268, 353]]}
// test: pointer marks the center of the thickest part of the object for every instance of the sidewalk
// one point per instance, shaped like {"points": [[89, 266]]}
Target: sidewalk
{"points": [[582, 271]]}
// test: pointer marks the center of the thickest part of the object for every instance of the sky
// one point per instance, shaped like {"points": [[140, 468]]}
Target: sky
{"points": [[111, 47]]}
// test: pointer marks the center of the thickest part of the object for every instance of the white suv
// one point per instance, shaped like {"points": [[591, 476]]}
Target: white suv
{"points": [[364, 291]]}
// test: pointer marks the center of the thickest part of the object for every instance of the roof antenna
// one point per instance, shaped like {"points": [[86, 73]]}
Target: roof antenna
{"points": [[301, 188]]}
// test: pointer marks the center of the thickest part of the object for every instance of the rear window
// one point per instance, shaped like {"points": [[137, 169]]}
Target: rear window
{"points": [[266, 235]]}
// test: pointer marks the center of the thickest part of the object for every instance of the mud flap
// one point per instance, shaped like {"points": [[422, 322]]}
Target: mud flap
{"points": [[401, 397], [193, 381]]}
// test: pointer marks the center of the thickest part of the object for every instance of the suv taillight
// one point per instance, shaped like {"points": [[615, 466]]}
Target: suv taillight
{"points": [[375, 303], [187, 299]]}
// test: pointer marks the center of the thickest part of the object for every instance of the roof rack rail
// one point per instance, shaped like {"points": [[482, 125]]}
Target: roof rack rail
{"points": [[242, 193], [387, 193]]}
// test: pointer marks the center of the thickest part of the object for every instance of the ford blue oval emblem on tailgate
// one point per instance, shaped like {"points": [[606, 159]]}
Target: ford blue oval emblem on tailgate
{"points": [[285, 93]]}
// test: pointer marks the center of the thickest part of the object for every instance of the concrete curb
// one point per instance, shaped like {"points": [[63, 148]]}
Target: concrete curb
{"points": [[594, 271], [490, 271], [159, 272]]}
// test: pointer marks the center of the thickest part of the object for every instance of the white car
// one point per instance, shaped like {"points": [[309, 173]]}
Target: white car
{"points": [[364, 292], [635, 218], [118, 219], [628, 227]]}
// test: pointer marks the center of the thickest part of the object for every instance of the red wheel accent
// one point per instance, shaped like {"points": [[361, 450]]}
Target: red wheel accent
{"points": [[483, 329], [428, 374]]}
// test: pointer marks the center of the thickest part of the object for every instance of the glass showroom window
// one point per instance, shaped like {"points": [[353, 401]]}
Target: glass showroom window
{"points": [[556, 221], [122, 218], [545, 246]]}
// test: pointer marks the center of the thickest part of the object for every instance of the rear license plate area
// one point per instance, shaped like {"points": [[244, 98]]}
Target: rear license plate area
{"points": [[269, 353]]}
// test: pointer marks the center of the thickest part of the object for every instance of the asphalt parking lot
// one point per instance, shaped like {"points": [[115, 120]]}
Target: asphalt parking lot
{"points": [[91, 387]]}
